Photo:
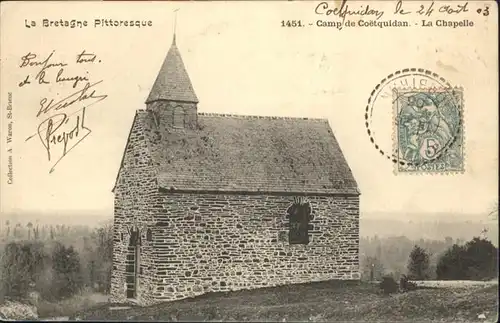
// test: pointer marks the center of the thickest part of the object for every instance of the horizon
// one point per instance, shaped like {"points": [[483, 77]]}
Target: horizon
{"points": [[422, 228], [377, 215]]}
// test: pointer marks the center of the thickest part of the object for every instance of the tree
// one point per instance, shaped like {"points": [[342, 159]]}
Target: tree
{"points": [[17, 229], [476, 260], [103, 261], [494, 212], [36, 232], [7, 224], [480, 259], [372, 268], [418, 264], [450, 266], [29, 226], [22, 262], [66, 270]]}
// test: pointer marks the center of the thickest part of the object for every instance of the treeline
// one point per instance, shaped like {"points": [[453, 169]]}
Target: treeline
{"points": [[58, 261], [55, 262], [11, 230], [428, 259]]}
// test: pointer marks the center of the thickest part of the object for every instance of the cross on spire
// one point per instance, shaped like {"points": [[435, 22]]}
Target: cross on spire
{"points": [[175, 24]]}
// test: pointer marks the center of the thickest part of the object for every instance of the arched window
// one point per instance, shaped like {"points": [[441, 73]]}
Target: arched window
{"points": [[299, 215], [149, 235], [178, 117]]}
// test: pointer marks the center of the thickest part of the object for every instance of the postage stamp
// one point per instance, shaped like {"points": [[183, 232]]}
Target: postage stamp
{"points": [[424, 132], [428, 129]]}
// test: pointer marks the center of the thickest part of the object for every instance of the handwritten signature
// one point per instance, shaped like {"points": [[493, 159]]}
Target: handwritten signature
{"points": [[63, 127], [78, 96], [49, 136], [62, 130]]}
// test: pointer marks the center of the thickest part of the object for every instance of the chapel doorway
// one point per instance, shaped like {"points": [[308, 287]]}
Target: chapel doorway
{"points": [[132, 263]]}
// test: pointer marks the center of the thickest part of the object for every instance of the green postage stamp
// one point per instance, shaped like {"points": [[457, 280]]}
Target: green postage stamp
{"points": [[429, 136]]}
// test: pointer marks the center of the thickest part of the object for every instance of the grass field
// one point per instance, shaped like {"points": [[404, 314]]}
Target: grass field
{"points": [[69, 306], [326, 301]]}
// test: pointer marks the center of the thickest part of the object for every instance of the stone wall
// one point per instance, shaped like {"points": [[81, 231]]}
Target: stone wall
{"points": [[164, 112], [208, 243], [136, 182]]}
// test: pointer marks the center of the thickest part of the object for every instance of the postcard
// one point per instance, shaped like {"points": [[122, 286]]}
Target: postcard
{"points": [[249, 161]]}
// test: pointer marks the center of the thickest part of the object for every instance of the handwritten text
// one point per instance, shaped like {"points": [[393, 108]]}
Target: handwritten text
{"points": [[64, 125]]}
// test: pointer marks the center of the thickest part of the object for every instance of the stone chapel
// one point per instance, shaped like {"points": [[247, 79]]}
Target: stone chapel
{"points": [[207, 202]]}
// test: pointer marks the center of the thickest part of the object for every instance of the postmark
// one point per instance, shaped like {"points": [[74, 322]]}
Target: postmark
{"points": [[424, 132]]}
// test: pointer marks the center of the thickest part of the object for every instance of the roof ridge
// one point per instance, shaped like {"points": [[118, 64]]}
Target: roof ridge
{"points": [[243, 116]]}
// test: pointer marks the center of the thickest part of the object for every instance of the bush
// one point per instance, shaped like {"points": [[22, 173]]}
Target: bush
{"points": [[15, 311], [388, 285], [96, 257], [418, 264], [103, 259], [66, 270], [406, 285], [480, 259], [450, 266], [476, 260], [44, 284], [22, 263]]}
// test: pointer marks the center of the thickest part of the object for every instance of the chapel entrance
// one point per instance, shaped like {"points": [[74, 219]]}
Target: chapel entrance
{"points": [[132, 263]]}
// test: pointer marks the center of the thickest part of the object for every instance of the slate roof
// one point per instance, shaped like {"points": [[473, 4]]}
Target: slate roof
{"points": [[172, 82], [230, 153], [234, 153]]}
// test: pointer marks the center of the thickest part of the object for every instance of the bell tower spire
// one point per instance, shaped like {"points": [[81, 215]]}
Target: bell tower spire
{"points": [[172, 99]]}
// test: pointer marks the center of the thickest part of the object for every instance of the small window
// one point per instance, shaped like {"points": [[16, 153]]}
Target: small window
{"points": [[156, 118], [135, 237], [299, 216], [149, 235], [178, 117]]}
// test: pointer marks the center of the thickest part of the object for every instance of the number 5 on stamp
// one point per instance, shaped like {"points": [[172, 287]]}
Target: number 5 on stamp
{"points": [[428, 130]]}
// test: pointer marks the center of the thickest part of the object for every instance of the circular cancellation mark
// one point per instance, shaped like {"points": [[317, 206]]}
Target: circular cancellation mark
{"points": [[414, 118]]}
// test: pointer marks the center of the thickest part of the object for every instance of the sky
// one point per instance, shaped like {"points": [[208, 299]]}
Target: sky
{"points": [[240, 61]]}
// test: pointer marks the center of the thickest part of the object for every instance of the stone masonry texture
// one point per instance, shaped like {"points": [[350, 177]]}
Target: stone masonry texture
{"points": [[207, 242]]}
